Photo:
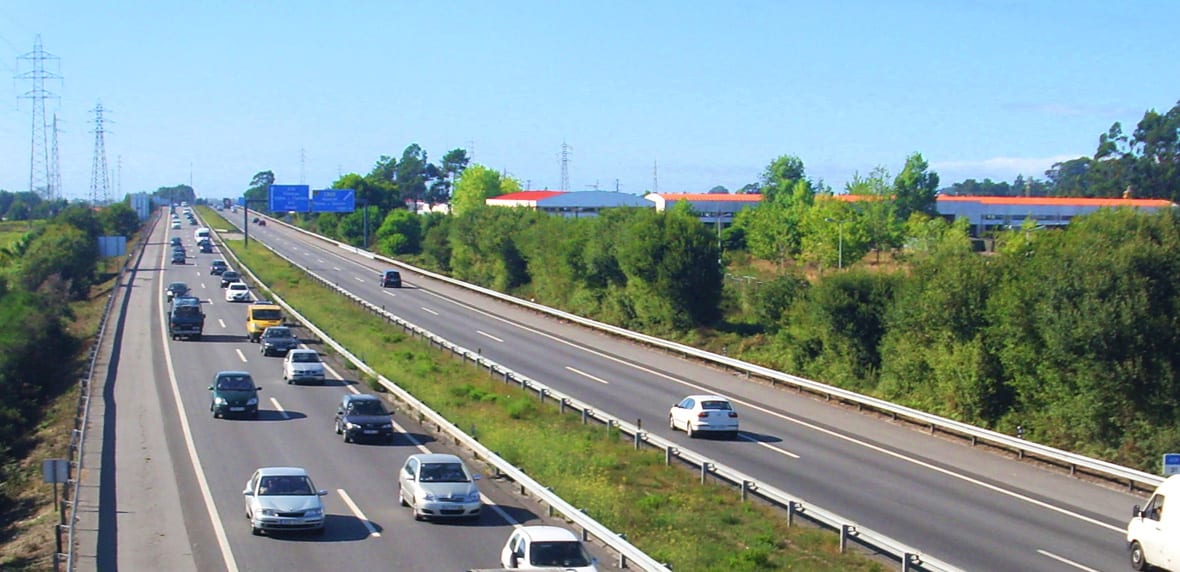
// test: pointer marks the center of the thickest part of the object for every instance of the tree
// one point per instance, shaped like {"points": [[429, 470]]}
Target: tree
{"points": [[915, 190], [773, 228], [351, 228], [63, 250], [119, 220], [718, 190], [178, 194], [452, 165], [877, 213], [400, 233], [478, 183], [781, 177], [413, 173], [259, 189]]}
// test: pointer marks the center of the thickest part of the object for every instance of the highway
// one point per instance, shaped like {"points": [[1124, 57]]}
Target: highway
{"points": [[173, 484], [972, 507]]}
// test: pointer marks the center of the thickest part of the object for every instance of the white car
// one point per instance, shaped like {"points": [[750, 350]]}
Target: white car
{"points": [[175, 225], [237, 292], [547, 547], [438, 486], [698, 414], [303, 365], [282, 499]]}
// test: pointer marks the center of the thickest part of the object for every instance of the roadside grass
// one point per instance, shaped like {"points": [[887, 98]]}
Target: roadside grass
{"points": [[663, 510], [27, 522]]}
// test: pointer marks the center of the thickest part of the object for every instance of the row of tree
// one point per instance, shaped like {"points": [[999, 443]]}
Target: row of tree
{"points": [[40, 274]]}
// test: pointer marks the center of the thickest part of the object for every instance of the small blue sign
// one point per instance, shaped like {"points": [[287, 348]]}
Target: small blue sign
{"points": [[333, 201], [287, 198], [1171, 464]]}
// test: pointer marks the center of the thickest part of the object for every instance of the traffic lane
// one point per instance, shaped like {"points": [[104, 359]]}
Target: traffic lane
{"points": [[298, 442]]}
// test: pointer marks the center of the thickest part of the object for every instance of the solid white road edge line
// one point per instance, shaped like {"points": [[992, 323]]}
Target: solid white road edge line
{"points": [[1067, 561], [207, 495], [429, 311], [357, 511]]}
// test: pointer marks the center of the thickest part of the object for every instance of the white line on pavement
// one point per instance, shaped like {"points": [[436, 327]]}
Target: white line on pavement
{"points": [[1066, 561], [357, 511], [241, 355], [222, 322], [485, 334], [428, 310], [769, 446], [584, 374], [275, 402], [336, 268], [359, 279], [390, 293]]}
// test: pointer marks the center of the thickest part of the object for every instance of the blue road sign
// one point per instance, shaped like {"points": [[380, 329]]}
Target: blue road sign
{"points": [[284, 198], [333, 201], [1172, 464]]}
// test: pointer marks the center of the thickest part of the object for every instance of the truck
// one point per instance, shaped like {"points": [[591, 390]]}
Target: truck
{"points": [[185, 318], [260, 315], [1152, 532]]}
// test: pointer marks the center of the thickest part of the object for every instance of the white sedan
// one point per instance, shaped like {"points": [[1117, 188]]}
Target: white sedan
{"points": [[283, 499], [438, 486], [698, 414], [548, 548], [237, 292]]}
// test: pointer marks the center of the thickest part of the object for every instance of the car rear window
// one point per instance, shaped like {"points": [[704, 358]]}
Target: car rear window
{"points": [[267, 314], [722, 405]]}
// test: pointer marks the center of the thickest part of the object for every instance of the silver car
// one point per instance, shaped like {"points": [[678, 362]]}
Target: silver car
{"points": [[438, 486], [283, 499]]}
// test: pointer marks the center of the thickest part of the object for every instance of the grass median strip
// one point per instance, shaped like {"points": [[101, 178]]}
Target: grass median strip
{"points": [[663, 510]]}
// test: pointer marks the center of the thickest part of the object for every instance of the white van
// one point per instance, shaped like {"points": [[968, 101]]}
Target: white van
{"points": [[202, 232], [1152, 532]]}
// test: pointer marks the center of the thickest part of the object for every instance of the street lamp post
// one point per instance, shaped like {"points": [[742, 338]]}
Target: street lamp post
{"points": [[840, 242]]}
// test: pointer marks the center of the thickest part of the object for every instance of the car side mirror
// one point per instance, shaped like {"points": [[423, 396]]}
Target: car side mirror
{"points": [[322, 492], [1136, 512], [475, 477], [248, 492], [259, 388], [210, 388]]}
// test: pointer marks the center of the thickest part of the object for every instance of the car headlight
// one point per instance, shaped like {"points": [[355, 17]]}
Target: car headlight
{"points": [[219, 400], [350, 425], [268, 512], [427, 495], [314, 513], [252, 401], [387, 425], [473, 496]]}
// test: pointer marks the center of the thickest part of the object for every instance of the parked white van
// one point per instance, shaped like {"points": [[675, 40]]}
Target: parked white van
{"points": [[1153, 532]]}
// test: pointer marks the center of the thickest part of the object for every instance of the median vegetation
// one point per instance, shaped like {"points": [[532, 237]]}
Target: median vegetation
{"points": [[663, 510]]}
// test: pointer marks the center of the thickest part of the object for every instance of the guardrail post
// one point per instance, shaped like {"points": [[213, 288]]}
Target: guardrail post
{"points": [[561, 405], [638, 439], [792, 508], [705, 468], [846, 531], [745, 490], [585, 415], [622, 557], [908, 560], [668, 454], [542, 393]]}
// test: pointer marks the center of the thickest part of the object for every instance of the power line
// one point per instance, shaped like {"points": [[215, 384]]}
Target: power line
{"points": [[39, 149], [100, 182]]}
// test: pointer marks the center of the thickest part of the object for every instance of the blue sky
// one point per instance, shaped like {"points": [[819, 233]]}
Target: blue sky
{"points": [[709, 91]]}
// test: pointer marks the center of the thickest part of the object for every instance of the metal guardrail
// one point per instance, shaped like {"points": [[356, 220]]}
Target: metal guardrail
{"points": [[82, 415], [909, 557], [1135, 479]]}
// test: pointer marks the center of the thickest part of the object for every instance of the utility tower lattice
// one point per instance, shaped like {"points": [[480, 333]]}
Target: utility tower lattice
{"points": [[565, 166], [39, 180], [100, 182], [655, 176]]}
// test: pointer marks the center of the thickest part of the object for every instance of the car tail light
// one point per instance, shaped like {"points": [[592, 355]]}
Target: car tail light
{"points": [[702, 414], [733, 414]]}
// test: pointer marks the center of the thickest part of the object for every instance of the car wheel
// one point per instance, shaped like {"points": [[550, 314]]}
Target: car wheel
{"points": [[688, 430], [1138, 561], [347, 439], [255, 530], [671, 423], [401, 497], [336, 426]]}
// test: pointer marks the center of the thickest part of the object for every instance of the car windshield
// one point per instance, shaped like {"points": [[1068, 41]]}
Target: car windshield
{"points": [[367, 407], [443, 473], [277, 333], [237, 286], [178, 287], [235, 383], [305, 357], [219, 263], [719, 405], [558, 553], [285, 485], [391, 274], [268, 314]]}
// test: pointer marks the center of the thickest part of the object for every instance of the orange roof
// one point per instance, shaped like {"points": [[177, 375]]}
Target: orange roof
{"points": [[744, 198], [1058, 201], [527, 195]]}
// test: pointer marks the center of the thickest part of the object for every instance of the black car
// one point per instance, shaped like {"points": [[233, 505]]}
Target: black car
{"points": [[363, 417], [229, 277], [176, 289], [233, 393], [176, 241], [255, 220], [178, 257], [217, 267], [206, 248], [391, 279], [261, 222], [277, 340]]}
